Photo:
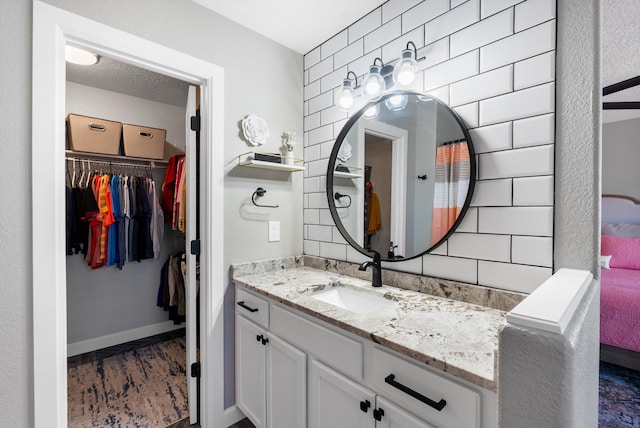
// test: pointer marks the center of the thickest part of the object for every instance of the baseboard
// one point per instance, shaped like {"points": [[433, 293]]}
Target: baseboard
{"points": [[232, 415], [620, 357], [101, 342]]}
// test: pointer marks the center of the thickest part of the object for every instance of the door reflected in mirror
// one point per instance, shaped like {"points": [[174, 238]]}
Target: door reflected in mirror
{"points": [[407, 167]]}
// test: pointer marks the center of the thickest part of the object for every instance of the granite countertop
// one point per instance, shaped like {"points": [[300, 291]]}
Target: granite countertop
{"points": [[450, 335]]}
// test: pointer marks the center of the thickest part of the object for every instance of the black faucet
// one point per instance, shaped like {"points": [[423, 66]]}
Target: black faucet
{"points": [[377, 269]]}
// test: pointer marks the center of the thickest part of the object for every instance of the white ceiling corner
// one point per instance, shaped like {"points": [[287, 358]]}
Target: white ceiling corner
{"points": [[300, 25]]}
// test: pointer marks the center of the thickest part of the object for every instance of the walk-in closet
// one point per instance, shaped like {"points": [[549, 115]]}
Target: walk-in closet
{"points": [[132, 264]]}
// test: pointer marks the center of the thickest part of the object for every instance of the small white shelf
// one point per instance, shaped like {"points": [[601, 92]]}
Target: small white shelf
{"points": [[346, 174], [354, 172], [247, 159]]}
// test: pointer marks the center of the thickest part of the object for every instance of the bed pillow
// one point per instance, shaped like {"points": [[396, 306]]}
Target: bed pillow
{"points": [[604, 262], [625, 252], [629, 230]]}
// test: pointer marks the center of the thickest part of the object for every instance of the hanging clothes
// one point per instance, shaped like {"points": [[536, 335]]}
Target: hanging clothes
{"points": [[177, 195], [375, 222], [157, 220], [171, 292], [172, 295], [169, 187], [113, 218]]}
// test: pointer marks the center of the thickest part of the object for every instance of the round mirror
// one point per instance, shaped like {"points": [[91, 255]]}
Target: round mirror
{"points": [[400, 176]]}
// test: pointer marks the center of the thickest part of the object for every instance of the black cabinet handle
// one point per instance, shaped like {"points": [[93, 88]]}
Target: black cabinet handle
{"points": [[426, 400], [364, 405], [378, 414], [250, 309]]}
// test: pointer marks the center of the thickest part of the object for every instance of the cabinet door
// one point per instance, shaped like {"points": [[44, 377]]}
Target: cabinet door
{"points": [[250, 371], [336, 401], [286, 385], [392, 416]]}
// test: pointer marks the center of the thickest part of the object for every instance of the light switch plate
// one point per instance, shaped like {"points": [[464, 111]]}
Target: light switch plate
{"points": [[274, 231]]}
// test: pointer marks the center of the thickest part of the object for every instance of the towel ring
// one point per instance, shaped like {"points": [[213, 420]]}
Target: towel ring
{"points": [[258, 193], [339, 196]]}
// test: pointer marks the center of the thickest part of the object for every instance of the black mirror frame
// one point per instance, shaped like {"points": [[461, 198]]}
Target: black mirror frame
{"points": [[332, 164]]}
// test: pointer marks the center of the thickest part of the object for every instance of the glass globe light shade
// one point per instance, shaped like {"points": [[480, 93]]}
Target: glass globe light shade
{"points": [[396, 102], [345, 95], [373, 85], [406, 69]]}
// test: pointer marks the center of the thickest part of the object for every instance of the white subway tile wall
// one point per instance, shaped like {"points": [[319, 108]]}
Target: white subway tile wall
{"points": [[493, 61]]}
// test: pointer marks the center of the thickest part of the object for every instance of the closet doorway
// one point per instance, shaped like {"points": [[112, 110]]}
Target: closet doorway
{"points": [[132, 314], [53, 29]]}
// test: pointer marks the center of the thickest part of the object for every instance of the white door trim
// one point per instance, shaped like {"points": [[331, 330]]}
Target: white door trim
{"points": [[400, 139], [52, 29]]}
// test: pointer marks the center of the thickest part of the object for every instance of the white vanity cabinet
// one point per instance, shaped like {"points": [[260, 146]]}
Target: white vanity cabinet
{"points": [[336, 401], [271, 381], [350, 382]]}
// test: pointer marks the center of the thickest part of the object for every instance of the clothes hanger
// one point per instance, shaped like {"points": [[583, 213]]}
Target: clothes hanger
{"points": [[67, 175], [73, 176]]}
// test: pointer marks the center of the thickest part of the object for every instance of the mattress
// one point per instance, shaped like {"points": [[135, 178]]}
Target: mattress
{"points": [[620, 308]]}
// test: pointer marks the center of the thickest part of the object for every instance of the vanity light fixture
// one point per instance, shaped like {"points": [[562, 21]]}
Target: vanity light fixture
{"points": [[80, 56], [346, 94], [405, 71], [373, 84], [381, 77]]}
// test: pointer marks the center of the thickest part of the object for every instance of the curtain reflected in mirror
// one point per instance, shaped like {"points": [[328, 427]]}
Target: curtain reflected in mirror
{"points": [[453, 172]]}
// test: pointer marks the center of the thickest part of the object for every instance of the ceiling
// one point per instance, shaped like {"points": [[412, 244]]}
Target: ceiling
{"points": [[303, 24], [297, 24], [115, 76]]}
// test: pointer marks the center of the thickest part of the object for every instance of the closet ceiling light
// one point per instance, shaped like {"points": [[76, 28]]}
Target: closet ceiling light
{"points": [[80, 56], [381, 78]]}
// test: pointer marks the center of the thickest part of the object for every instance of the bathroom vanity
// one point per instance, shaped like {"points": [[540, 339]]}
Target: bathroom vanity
{"points": [[318, 348], [321, 344]]}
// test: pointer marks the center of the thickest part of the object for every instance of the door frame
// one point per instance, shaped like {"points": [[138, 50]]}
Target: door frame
{"points": [[399, 141], [52, 29]]}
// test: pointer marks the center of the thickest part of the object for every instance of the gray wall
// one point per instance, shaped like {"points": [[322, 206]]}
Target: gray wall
{"points": [[107, 300], [578, 136], [561, 373], [276, 95], [550, 380], [620, 154], [203, 34]]}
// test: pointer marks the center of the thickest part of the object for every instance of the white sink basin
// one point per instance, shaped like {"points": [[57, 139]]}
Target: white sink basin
{"points": [[352, 300]]}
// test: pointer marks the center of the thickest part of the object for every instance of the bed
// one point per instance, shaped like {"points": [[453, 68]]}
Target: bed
{"points": [[620, 281]]}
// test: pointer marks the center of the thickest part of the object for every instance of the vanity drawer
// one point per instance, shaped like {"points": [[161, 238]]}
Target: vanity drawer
{"points": [[407, 383], [334, 349], [252, 306]]}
